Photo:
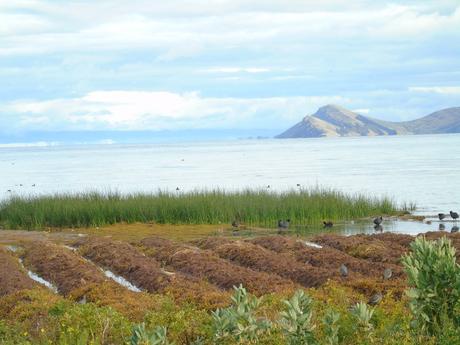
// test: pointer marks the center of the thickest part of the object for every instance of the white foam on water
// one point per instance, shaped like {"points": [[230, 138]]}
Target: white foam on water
{"points": [[122, 281], [39, 279]]}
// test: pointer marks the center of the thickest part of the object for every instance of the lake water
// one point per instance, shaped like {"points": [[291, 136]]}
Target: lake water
{"points": [[421, 169]]}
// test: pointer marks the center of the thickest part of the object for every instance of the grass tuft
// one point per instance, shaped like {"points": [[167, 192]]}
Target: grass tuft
{"points": [[252, 207]]}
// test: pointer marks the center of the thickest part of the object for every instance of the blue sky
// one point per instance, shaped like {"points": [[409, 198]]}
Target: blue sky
{"points": [[227, 64]]}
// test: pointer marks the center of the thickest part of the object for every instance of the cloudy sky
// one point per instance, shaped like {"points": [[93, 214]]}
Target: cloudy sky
{"points": [[228, 64]]}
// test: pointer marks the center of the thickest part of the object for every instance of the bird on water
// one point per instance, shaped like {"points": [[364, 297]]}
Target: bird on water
{"points": [[378, 220], [378, 227], [454, 215], [441, 216]]}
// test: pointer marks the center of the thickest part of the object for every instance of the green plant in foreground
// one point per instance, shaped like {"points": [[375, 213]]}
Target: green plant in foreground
{"points": [[239, 321], [363, 315], [331, 327], [141, 336], [434, 277], [296, 319]]}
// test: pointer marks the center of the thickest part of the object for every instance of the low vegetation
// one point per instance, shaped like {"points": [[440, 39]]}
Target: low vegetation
{"points": [[251, 207], [331, 314]]}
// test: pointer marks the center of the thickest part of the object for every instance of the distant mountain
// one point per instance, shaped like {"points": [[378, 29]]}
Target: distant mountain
{"points": [[335, 121]]}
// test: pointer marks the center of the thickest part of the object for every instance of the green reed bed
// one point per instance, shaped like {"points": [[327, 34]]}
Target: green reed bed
{"points": [[252, 207]]}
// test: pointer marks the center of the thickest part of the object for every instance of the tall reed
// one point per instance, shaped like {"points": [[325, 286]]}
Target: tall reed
{"points": [[252, 207]]}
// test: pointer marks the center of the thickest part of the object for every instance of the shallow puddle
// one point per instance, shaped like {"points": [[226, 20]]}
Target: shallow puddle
{"points": [[39, 279], [122, 281]]}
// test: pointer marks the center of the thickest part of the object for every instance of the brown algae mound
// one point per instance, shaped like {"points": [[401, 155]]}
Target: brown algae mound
{"points": [[124, 260], [206, 265], [61, 266], [363, 247], [326, 257], [146, 273], [12, 276], [284, 264]]}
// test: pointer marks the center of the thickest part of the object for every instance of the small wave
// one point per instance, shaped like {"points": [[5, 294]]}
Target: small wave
{"points": [[35, 144]]}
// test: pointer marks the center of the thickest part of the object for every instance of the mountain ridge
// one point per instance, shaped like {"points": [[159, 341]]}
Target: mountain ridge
{"points": [[335, 121]]}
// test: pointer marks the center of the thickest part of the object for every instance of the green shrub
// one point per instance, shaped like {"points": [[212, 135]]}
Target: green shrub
{"points": [[141, 336], [331, 327], [88, 324], [296, 320], [434, 277], [239, 322]]}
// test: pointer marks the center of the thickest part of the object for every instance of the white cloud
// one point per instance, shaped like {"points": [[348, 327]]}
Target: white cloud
{"points": [[237, 70], [137, 110], [177, 30], [448, 90], [362, 111]]}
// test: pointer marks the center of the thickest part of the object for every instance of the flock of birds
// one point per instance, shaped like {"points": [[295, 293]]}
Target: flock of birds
{"points": [[454, 216], [283, 225]]}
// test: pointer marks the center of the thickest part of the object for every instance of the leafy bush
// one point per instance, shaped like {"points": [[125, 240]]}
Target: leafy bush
{"points": [[239, 322], [88, 324], [296, 320], [331, 327], [434, 277], [141, 336]]}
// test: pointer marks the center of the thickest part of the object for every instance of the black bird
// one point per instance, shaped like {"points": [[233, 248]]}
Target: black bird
{"points": [[283, 225], [454, 229], [375, 299], [177, 189], [235, 224], [268, 186], [33, 185], [378, 220], [9, 190], [298, 184], [387, 273], [454, 215], [343, 270], [378, 227], [328, 224], [442, 227], [441, 216]]}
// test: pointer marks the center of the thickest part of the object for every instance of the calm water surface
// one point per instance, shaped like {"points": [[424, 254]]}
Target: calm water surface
{"points": [[420, 169]]}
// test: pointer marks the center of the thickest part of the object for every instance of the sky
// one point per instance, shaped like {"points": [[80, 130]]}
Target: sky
{"points": [[133, 65]]}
